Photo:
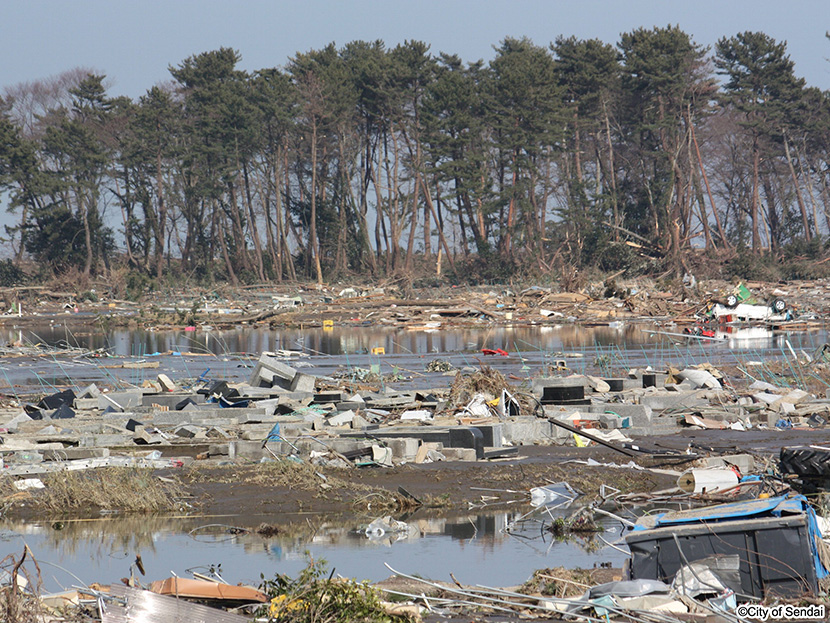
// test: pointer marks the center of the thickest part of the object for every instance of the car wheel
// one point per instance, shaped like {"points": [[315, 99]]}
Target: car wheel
{"points": [[778, 305], [732, 301]]}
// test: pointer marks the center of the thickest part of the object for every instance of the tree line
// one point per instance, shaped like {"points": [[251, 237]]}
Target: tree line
{"points": [[372, 160]]}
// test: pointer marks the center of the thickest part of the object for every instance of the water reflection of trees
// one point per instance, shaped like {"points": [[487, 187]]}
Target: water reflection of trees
{"points": [[339, 341], [127, 535]]}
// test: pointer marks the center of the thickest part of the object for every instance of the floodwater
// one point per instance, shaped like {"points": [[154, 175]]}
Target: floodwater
{"points": [[228, 354], [478, 548], [493, 548]]}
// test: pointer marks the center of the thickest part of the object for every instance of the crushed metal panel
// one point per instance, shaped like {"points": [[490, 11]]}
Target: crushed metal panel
{"points": [[146, 607], [775, 552]]}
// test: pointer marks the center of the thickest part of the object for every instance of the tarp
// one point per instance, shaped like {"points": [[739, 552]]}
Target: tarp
{"points": [[736, 510]]}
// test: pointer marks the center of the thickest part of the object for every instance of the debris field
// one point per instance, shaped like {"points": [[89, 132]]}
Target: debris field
{"points": [[741, 523]]}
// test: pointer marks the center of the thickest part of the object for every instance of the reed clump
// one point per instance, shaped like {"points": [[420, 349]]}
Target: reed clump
{"points": [[123, 489]]}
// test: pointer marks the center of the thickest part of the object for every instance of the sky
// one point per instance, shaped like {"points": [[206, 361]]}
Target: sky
{"points": [[133, 42]]}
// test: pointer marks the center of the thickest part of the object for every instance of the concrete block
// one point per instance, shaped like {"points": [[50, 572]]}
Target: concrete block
{"points": [[303, 383], [540, 383], [253, 450], [765, 398], [218, 449], [341, 419], [118, 423], [30, 427], [783, 407], [459, 454], [92, 441], [744, 462], [16, 421], [401, 401], [639, 415], [270, 372], [526, 430], [228, 422], [167, 385], [71, 454], [559, 411], [797, 396], [173, 418], [170, 400], [354, 405], [327, 397], [358, 423], [382, 455], [403, 449], [255, 434], [611, 421], [86, 404], [189, 431], [90, 391], [493, 434], [255, 417], [658, 401], [143, 437], [269, 405], [242, 449], [120, 400], [450, 436]]}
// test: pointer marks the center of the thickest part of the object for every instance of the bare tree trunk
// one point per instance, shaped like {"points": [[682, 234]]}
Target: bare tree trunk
{"points": [[443, 240], [239, 233], [612, 172], [381, 234], [264, 191], [313, 243], [721, 232], [394, 204], [508, 240], [220, 231], [756, 240], [161, 217], [285, 226], [253, 225], [825, 200], [87, 236], [805, 220], [413, 223]]}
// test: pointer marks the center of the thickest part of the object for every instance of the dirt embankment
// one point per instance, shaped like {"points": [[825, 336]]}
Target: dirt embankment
{"points": [[268, 489]]}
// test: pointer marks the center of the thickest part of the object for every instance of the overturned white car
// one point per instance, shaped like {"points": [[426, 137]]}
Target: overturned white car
{"points": [[775, 311]]}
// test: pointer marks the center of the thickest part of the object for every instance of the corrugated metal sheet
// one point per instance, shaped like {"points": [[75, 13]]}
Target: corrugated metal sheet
{"points": [[146, 607], [745, 509]]}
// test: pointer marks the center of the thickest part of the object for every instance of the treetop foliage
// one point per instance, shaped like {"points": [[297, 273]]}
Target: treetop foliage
{"points": [[366, 159]]}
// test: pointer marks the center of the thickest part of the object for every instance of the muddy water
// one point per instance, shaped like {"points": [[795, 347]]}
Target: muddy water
{"points": [[489, 548], [476, 548]]}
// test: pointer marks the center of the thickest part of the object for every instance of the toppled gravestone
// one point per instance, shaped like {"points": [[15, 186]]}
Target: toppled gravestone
{"points": [[270, 372]]}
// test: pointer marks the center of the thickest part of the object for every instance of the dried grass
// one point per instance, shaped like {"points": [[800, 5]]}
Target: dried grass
{"points": [[130, 490], [486, 381], [284, 474], [16, 604], [483, 381], [559, 582]]}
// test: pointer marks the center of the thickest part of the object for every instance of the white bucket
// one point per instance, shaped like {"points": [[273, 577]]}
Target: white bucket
{"points": [[707, 480]]}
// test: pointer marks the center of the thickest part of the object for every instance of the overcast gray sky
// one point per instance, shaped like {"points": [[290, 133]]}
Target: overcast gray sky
{"points": [[134, 41]]}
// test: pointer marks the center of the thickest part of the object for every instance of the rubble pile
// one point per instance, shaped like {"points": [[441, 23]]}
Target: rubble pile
{"points": [[736, 528], [282, 411], [391, 305]]}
